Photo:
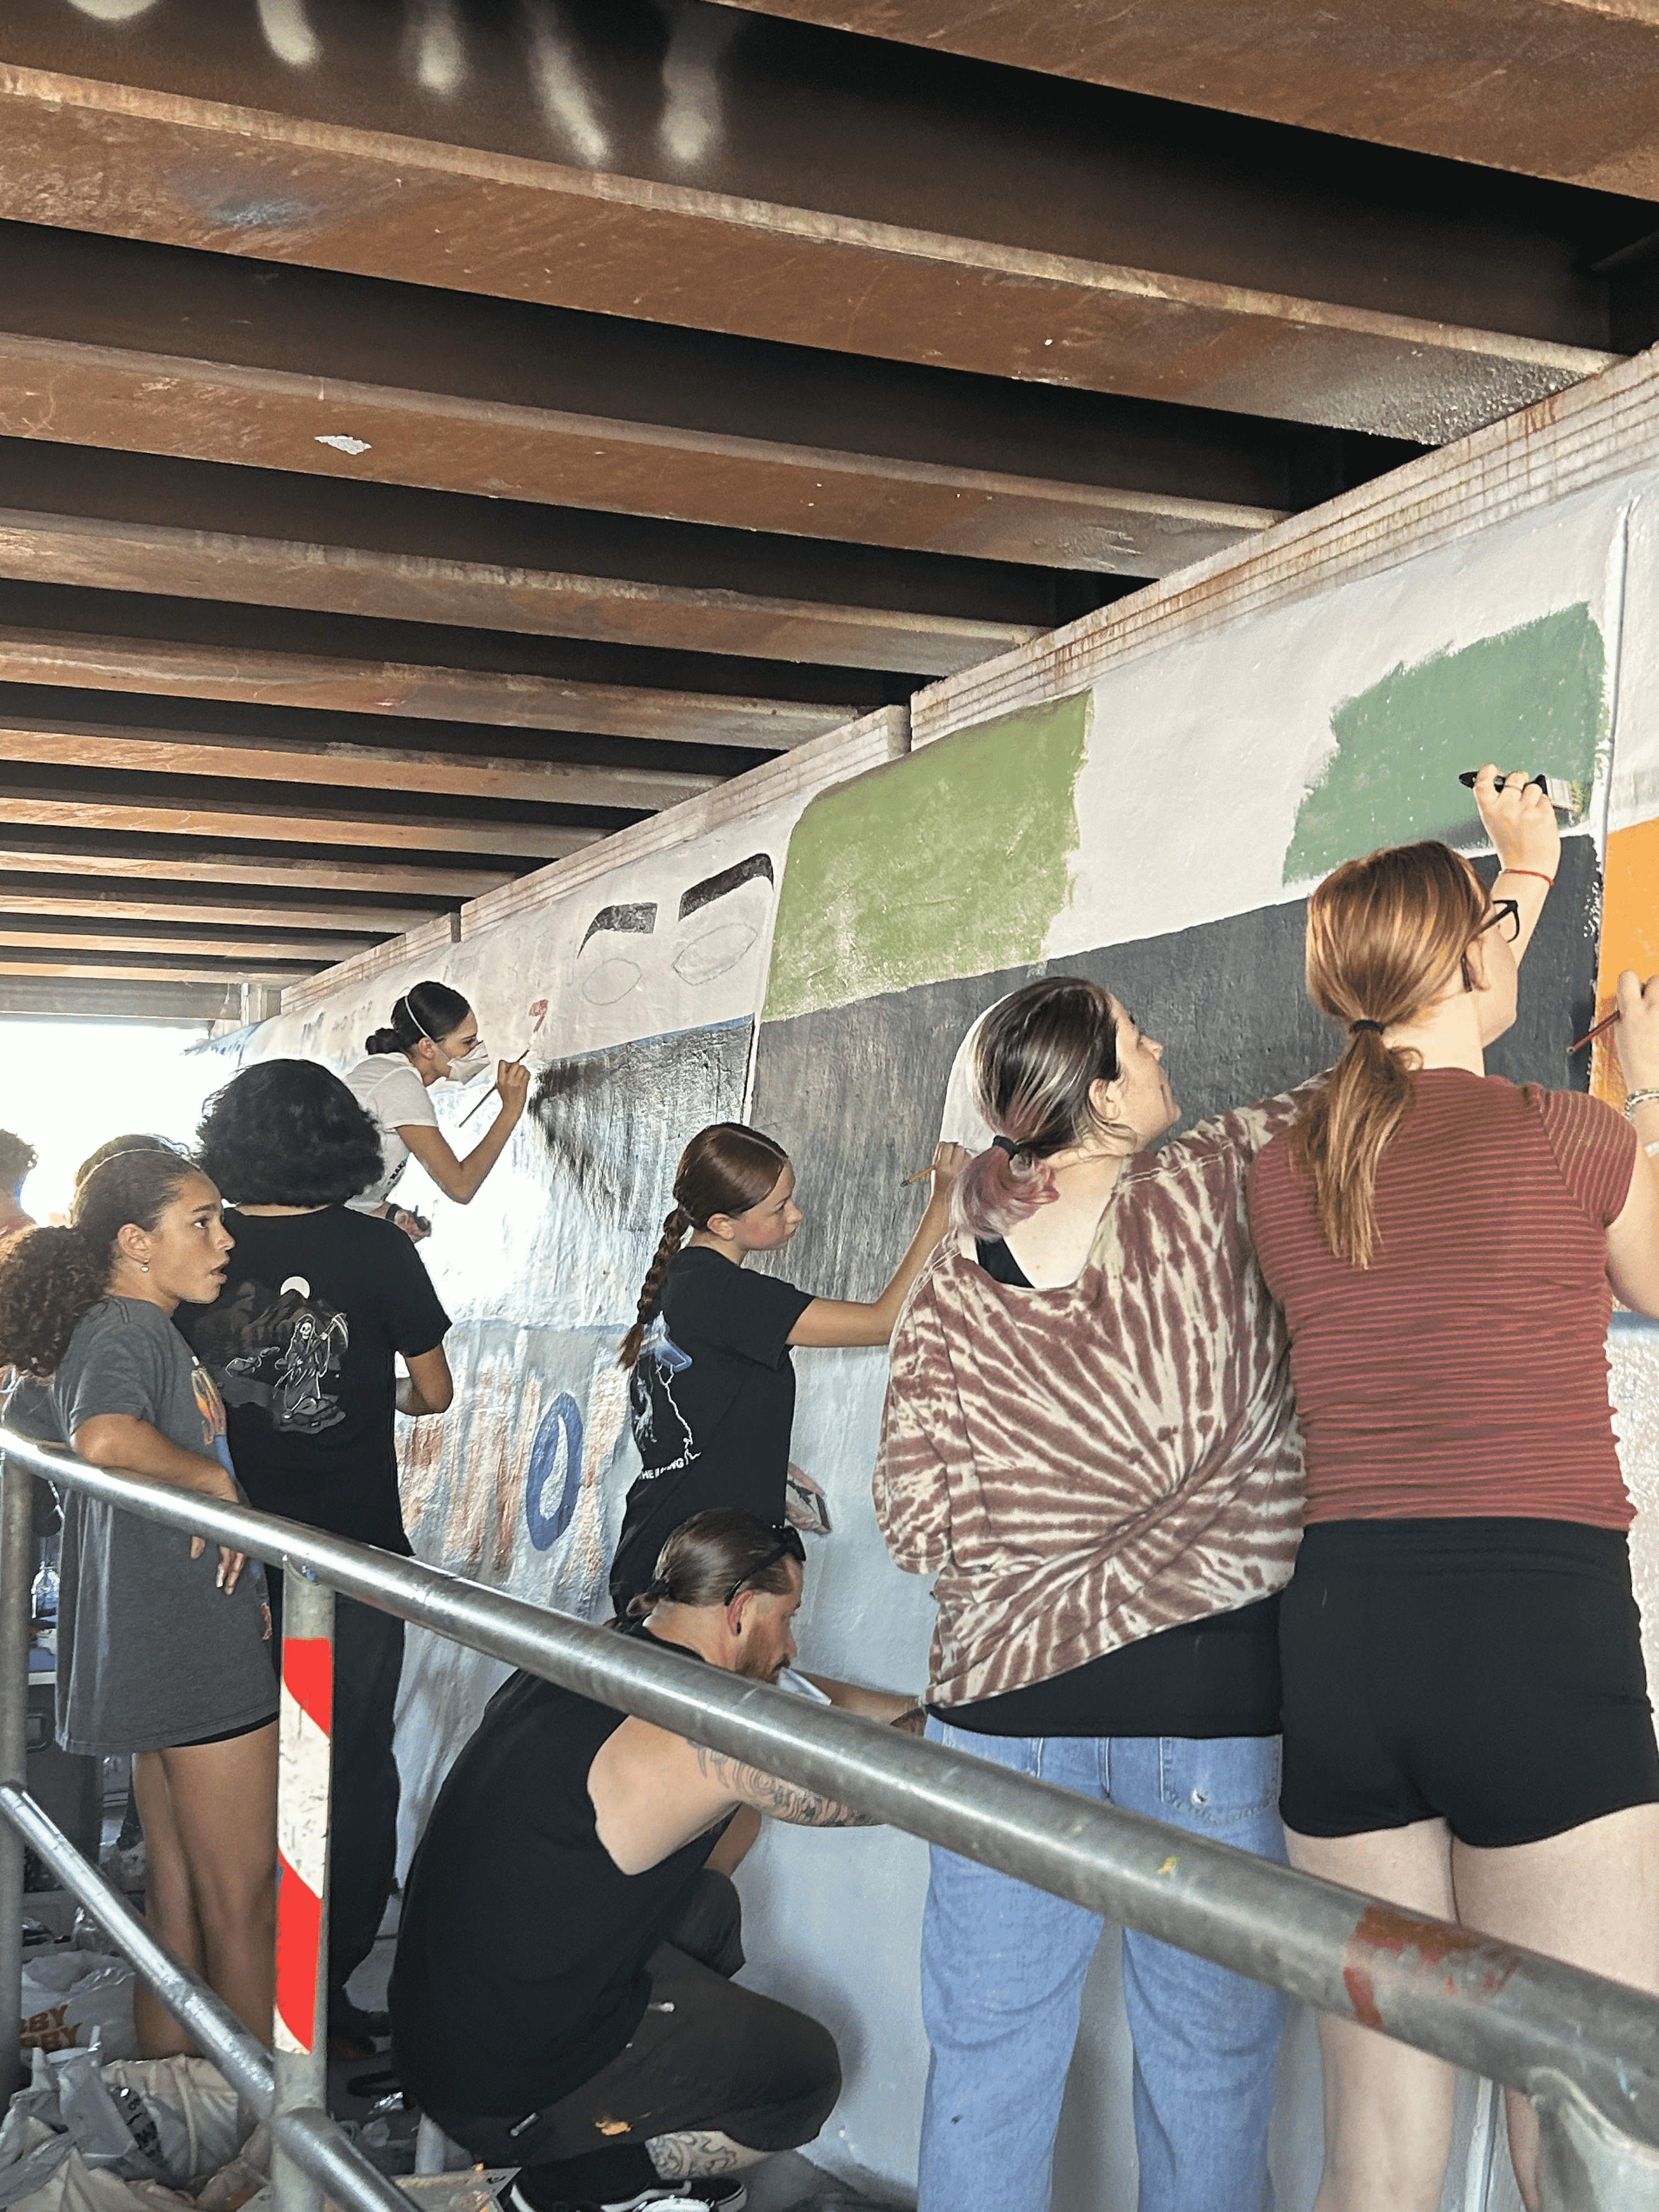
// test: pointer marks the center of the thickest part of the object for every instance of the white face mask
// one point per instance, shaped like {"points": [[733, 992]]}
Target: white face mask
{"points": [[475, 1063]]}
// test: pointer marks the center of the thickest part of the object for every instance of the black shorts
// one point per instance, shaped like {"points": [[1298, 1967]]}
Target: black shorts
{"points": [[1488, 1672]]}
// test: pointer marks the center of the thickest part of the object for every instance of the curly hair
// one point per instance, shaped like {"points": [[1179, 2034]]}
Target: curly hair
{"points": [[50, 1279], [288, 1133], [17, 1157]]}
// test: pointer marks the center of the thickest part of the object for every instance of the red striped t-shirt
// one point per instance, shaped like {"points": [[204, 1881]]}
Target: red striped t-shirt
{"points": [[1465, 1372]]}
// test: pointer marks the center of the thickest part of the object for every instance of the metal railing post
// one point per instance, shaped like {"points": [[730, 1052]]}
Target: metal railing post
{"points": [[1583, 2165], [16, 1585], [304, 1786]]}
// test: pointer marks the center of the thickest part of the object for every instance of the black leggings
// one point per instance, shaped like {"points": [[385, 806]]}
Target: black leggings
{"points": [[705, 2055]]}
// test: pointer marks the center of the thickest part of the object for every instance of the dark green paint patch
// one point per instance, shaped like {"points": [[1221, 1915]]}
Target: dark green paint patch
{"points": [[952, 861], [1529, 697]]}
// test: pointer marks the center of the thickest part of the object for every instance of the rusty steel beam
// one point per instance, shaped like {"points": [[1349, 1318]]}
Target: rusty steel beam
{"points": [[1546, 87], [76, 899], [187, 669], [386, 769], [183, 1005], [211, 814], [304, 951], [111, 554], [159, 855], [1118, 260], [161, 403], [155, 967]]}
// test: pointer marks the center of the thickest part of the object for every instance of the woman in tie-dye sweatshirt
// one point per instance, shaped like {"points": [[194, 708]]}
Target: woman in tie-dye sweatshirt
{"points": [[1089, 1437]]}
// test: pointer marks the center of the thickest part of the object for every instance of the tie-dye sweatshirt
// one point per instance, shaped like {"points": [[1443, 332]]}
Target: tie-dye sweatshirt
{"points": [[1083, 1466]]}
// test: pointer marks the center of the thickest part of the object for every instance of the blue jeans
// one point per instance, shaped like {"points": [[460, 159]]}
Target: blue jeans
{"points": [[1002, 1972]]}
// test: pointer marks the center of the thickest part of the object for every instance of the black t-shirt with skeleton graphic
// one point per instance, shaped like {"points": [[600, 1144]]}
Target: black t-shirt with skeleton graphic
{"points": [[301, 1341], [712, 1400]]}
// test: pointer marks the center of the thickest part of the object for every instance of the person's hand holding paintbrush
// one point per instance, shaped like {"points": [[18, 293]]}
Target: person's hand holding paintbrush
{"points": [[512, 1085]]}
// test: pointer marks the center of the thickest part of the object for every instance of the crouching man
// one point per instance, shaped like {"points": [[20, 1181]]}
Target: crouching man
{"points": [[562, 1999]]}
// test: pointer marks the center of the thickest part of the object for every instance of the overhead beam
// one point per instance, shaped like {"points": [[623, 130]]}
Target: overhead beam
{"points": [[303, 952], [147, 557], [112, 850], [82, 153], [183, 669], [368, 768], [162, 967], [1547, 87], [184, 1005], [77, 899], [162, 402], [72, 806]]}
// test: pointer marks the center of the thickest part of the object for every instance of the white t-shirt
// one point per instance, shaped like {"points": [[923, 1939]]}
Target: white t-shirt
{"points": [[389, 1090]]}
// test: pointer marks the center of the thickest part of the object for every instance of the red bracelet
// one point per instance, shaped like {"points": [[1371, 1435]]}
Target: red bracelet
{"points": [[1539, 873]]}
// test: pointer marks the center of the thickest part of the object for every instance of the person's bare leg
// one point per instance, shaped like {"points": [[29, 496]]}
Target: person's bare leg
{"points": [[1388, 2108], [224, 1803], [169, 1907], [1590, 1896]]}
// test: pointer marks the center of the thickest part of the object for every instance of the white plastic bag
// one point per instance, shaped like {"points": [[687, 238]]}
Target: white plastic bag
{"points": [[68, 1994]]}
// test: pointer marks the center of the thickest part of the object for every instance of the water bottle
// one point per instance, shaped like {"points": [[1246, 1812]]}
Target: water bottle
{"points": [[42, 1593]]}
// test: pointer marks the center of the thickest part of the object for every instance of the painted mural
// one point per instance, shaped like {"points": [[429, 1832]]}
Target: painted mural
{"points": [[816, 961]]}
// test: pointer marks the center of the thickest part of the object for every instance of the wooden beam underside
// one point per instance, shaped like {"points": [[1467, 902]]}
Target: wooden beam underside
{"points": [[69, 808], [141, 862], [1546, 87], [183, 669], [368, 768], [82, 154], [95, 554], [158, 402]]}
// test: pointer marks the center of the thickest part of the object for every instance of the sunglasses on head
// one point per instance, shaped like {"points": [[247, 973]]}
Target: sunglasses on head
{"points": [[789, 1547]]}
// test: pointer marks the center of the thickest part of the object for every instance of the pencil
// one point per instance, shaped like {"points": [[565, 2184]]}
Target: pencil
{"points": [[1591, 1036], [917, 1177], [490, 1093]]}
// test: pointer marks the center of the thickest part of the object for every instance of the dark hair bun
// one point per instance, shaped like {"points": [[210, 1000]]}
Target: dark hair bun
{"points": [[384, 1041]]}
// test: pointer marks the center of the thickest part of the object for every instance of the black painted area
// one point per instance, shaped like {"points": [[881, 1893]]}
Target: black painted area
{"points": [[854, 1093], [615, 1122]]}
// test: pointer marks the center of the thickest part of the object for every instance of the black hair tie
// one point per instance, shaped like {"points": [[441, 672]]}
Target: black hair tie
{"points": [[657, 1589], [1005, 1144], [1354, 1028]]}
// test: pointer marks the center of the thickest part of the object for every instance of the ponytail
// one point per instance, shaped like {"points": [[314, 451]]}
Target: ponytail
{"points": [[50, 1279], [726, 1169], [426, 1009], [675, 1230], [1386, 936], [1037, 1056]]}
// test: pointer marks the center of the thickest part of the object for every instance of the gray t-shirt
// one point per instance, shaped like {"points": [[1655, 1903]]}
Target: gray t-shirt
{"points": [[150, 1653]]}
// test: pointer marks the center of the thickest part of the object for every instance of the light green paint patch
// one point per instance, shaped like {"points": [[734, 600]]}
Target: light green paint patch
{"points": [[951, 861], [1532, 697]]}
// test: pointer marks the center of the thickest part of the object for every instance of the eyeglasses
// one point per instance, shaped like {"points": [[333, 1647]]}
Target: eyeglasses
{"points": [[1505, 918], [789, 1547]]}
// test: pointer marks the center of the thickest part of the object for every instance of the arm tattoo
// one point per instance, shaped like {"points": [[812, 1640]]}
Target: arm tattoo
{"points": [[784, 1801], [696, 2151]]}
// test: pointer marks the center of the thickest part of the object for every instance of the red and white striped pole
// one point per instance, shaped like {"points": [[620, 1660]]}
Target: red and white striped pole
{"points": [[304, 1784]]}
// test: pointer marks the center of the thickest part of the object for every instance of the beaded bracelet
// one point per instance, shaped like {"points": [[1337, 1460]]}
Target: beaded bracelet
{"points": [[1638, 1098]]}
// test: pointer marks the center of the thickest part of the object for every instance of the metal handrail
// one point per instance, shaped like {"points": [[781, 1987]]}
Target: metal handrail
{"points": [[1585, 2050]]}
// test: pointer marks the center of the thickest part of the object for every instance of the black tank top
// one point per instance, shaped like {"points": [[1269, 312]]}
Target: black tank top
{"points": [[522, 1948]]}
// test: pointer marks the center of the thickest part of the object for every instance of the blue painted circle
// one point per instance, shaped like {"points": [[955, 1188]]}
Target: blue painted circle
{"points": [[555, 1480]]}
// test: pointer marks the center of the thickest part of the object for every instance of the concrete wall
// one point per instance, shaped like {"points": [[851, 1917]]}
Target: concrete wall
{"points": [[1146, 799]]}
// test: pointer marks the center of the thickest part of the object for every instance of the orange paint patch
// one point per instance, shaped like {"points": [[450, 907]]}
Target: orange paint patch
{"points": [[1630, 938]]}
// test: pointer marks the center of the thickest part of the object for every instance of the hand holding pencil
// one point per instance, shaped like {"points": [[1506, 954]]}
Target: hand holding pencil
{"points": [[512, 1084]]}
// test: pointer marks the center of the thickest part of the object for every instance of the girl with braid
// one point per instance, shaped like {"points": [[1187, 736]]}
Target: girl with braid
{"points": [[713, 1394]]}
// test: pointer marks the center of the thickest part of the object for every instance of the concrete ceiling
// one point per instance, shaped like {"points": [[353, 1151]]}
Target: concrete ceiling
{"points": [[434, 434]]}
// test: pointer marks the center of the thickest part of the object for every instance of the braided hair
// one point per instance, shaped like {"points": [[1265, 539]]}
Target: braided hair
{"points": [[726, 1169]]}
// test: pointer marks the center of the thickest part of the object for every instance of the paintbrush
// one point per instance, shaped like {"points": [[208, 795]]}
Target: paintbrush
{"points": [[490, 1093], [1591, 1036], [1564, 794]]}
